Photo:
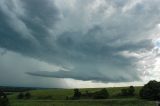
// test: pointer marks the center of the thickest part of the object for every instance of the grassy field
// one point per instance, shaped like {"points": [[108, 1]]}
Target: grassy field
{"points": [[56, 97], [123, 102], [60, 94]]}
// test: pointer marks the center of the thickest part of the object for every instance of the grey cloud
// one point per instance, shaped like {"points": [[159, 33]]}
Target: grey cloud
{"points": [[94, 73], [40, 11], [12, 40], [3, 51], [87, 41], [40, 16], [13, 69]]}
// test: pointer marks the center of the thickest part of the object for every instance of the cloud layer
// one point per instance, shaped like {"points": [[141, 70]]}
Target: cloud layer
{"points": [[95, 40]]}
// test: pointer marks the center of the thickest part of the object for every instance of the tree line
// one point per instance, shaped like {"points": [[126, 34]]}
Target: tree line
{"points": [[100, 94], [16, 89], [150, 91]]}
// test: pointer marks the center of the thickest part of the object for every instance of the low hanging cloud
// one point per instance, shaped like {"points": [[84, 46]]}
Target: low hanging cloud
{"points": [[89, 40], [13, 69]]}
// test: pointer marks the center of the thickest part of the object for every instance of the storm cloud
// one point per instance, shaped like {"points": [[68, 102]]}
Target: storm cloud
{"points": [[91, 40]]}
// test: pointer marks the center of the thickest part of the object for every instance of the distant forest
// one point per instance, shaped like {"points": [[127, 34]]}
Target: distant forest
{"points": [[16, 89]]}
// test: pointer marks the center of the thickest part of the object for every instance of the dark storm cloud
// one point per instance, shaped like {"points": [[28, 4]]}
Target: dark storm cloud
{"points": [[83, 39], [73, 74], [39, 15], [94, 57]]}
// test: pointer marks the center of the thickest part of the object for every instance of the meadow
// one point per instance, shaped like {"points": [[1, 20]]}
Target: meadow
{"points": [[57, 97], [118, 102], [60, 94]]}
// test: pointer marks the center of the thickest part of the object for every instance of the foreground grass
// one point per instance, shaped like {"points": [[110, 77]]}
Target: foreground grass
{"points": [[110, 102]]}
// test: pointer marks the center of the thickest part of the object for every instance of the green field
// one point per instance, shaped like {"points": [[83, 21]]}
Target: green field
{"points": [[60, 94], [123, 102], [56, 97]]}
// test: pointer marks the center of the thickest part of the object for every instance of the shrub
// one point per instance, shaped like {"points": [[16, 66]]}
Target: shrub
{"points": [[3, 99], [27, 95], [77, 94], [131, 91], [102, 94], [20, 95], [128, 91], [124, 92]]}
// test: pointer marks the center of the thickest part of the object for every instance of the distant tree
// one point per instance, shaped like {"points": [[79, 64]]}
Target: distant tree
{"points": [[87, 93], [27, 95], [102, 94], [77, 94], [128, 91], [131, 91], [20, 96], [151, 90], [67, 98], [124, 92]]}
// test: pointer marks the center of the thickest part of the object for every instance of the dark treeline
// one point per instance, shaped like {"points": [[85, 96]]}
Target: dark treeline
{"points": [[150, 91], [16, 89], [130, 91], [100, 94]]}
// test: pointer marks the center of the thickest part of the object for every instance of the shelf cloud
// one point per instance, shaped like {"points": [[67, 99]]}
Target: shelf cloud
{"points": [[92, 40]]}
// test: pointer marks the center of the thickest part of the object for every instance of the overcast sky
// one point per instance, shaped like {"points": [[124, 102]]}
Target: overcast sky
{"points": [[79, 43]]}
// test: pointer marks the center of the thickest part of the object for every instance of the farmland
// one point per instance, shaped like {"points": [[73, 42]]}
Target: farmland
{"points": [[118, 102], [57, 97]]}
